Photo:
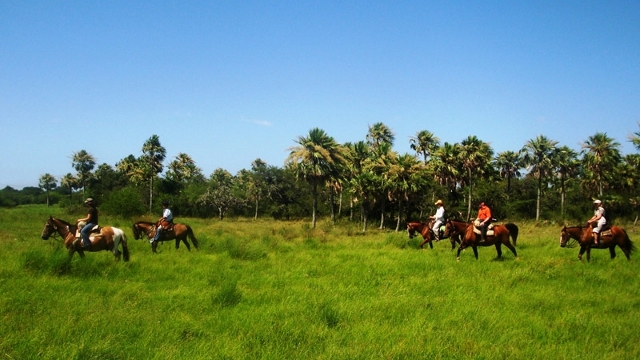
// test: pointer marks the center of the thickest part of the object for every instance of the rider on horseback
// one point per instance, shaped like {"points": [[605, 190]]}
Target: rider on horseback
{"points": [[599, 219], [438, 220], [484, 219], [165, 222], [90, 222]]}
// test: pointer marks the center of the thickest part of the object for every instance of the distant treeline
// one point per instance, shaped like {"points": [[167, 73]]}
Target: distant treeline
{"points": [[366, 181]]}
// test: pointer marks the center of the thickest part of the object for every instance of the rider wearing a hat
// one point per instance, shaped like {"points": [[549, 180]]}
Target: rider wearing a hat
{"points": [[164, 222], [90, 221], [438, 219], [599, 219]]}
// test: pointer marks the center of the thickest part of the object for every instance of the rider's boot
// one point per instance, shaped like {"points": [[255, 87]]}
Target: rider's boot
{"points": [[483, 234], [596, 238]]}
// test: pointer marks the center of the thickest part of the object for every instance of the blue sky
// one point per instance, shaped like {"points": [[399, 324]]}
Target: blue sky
{"points": [[228, 82]]}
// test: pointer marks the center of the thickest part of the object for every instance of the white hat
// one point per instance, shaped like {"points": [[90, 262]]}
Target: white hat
{"points": [[597, 202]]}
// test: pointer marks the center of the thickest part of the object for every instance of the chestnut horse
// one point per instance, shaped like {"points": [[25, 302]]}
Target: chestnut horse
{"points": [[501, 235], [109, 238], [179, 233], [609, 238], [425, 229]]}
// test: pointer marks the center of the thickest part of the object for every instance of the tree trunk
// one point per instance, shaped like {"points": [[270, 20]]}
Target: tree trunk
{"points": [[538, 198], [314, 206], [470, 192], [382, 208], [255, 215], [151, 195], [331, 205]]}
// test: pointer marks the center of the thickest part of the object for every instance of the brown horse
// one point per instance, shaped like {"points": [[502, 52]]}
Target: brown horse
{"points": [[425, 229], [609, 238], [179, 233], [109, 238], [501, 235]]}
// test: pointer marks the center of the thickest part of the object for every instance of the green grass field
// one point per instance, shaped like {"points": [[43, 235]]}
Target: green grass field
{"points": [[280, 290]]}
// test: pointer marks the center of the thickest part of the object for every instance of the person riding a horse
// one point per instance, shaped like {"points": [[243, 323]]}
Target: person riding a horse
{"points": [[90, 222], [483, 220], [438, 220], [165, 222], [599, 219]]}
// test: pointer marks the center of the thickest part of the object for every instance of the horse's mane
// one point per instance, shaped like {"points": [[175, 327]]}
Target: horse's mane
{"points": [[63, 221], [145, 222]]}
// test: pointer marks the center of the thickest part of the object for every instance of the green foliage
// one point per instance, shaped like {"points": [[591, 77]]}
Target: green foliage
{"points": [[125, 203]]}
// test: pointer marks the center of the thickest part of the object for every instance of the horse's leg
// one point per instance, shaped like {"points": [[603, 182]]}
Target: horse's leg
{"points": [[499, 249], [154, 245], [612, 251], [186, 243], [588, 253], [475, 250], [507, 243], [582, 250], [424, 241], [460, 248], [177, 243]]}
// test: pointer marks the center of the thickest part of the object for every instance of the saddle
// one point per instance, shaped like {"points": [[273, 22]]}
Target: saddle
{"points": [[94, 230], [476, 228], [166, 225]]}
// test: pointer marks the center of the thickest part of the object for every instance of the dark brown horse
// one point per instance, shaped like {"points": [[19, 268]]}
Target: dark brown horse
{"points": [[609, 238], [109, 238], [425, 229], [180, 232], [500, 236]]}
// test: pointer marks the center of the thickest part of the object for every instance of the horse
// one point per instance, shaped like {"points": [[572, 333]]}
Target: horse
{"points": [[609, 238], [109, 238], [425, 229], [179, 232], [501, 236]]}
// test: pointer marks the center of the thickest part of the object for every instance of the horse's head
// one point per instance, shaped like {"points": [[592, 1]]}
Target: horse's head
{"points": [[564, 236], [137, 233], [49, 228], [411, 229]]}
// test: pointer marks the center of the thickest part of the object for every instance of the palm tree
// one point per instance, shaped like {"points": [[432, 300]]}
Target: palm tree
{"points": [[404, 179], [183, 169], [154, 155], [83, 163], [315, 159], [425, 144], [509, 165], [566, 167], [446, 165], [475, 155], [538, 155], [378, 134], [70, 182], [47, 182], [601, 156], [635, 138]]}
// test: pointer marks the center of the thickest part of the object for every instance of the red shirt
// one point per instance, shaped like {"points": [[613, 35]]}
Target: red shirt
{"points": [[484, 213]]}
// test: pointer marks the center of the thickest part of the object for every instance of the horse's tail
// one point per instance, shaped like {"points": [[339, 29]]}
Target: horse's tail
{"points": [[192, 237], [125, 248], [513, 231], [628, 242]]}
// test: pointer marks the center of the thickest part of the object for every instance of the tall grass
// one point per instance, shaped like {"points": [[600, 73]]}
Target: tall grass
{"points": [[268, 289]]}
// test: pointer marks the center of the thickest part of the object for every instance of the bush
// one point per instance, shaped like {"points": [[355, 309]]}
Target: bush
{"points": [[124, 203]]}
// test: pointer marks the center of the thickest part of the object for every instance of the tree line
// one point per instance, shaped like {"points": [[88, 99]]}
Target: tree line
{"points": [[364, 181]]}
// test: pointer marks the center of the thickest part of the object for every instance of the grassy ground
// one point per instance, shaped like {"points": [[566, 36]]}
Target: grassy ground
{"points": [[273, 290]]}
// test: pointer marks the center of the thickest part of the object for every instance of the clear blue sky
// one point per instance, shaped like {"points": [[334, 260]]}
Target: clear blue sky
{"points": [[228, 82]]}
